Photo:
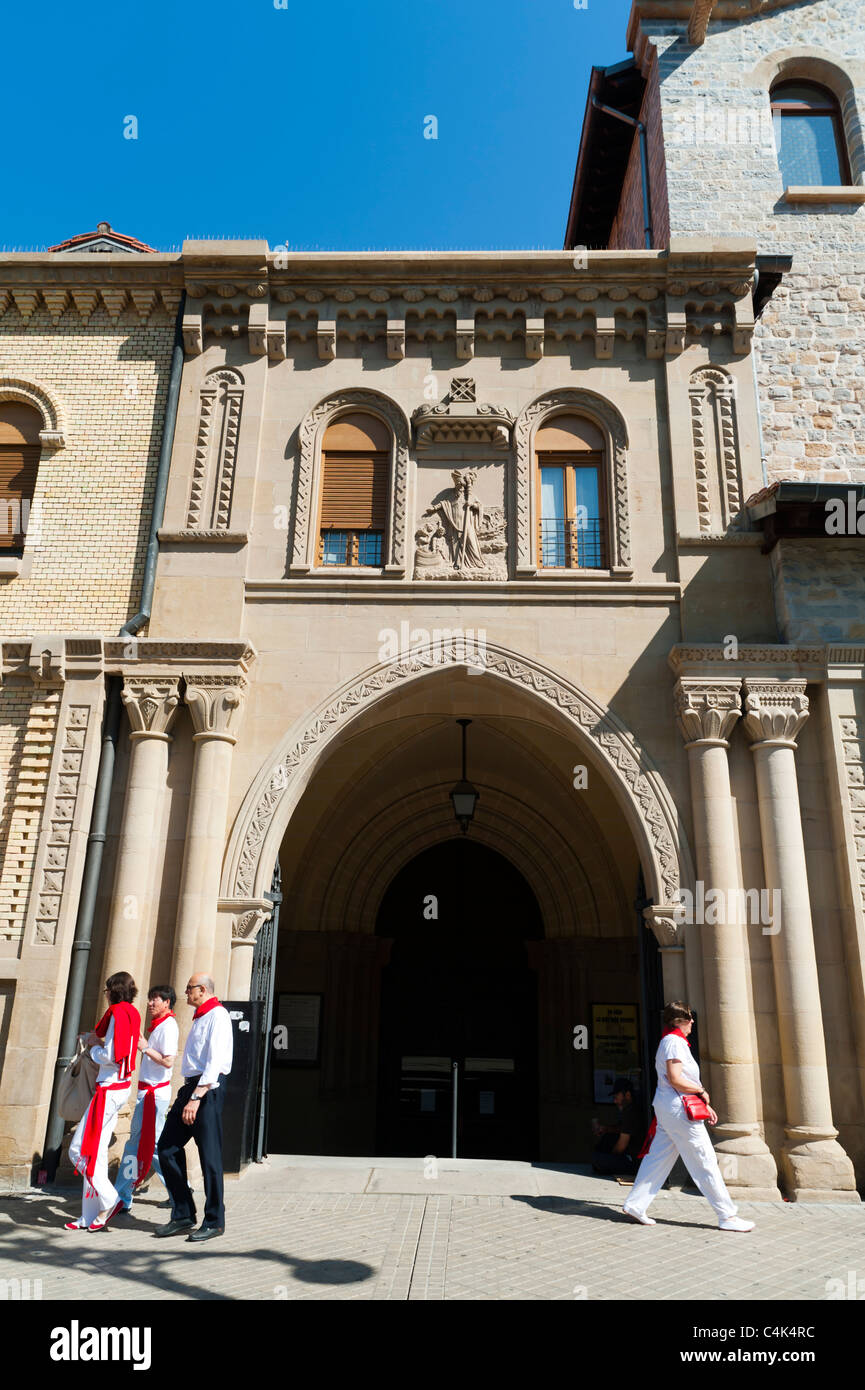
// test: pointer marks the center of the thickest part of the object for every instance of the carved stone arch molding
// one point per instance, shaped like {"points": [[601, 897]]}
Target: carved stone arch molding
{"points": [[310, 435], [648, 808], [215, 458], [609, 421], [713, 407], [53, 432]]}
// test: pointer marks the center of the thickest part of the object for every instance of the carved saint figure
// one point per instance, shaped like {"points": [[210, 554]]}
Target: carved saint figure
{"points": [[461, 517]]}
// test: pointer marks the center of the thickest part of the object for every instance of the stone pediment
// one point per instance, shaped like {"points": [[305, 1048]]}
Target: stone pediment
{"points": [[461, 419]]}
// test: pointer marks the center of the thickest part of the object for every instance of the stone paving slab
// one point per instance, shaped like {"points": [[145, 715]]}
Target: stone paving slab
{"points": [[285, 1240]]}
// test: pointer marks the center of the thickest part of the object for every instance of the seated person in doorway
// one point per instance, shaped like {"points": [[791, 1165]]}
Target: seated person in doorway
{"points": [[619, 1144]]}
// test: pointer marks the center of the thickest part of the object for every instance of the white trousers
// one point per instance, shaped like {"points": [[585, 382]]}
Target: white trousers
{"points": [[99, 1193], [677, 1135]]}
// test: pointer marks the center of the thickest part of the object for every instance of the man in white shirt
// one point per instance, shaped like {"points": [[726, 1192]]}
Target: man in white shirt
{"points": [[197, 1114], [154, 1094]]}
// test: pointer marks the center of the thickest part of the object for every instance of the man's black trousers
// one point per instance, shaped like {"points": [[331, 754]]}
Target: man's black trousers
{"points": [[206, 1130]]}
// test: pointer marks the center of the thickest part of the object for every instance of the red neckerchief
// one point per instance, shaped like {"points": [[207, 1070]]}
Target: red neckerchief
{"points": [[205, 1008], [161, 1019], [654, 1125], [127, 1029]]}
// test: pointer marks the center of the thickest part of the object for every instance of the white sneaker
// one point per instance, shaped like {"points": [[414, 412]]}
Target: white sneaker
{"points": [[735, 1223], [643, 1219]]}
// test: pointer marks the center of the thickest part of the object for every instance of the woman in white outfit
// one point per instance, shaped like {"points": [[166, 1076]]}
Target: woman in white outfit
{"points": [[673, 1134], [113, 1045]]}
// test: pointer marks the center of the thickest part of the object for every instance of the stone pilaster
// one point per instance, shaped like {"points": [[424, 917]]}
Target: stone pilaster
{"points": [[215, 706], [151, 703], [671, 944], [707, 711], [814, 1165], [245, 926]]}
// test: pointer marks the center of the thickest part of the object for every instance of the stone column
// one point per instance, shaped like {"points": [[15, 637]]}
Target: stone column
{"points": [[245, 927], [214, 703], [670, 937], [706, 712], [151, 703], [814, 1165]]}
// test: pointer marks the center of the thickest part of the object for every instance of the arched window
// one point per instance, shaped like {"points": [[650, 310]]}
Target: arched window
{"points": [[571, 495], [355, 461], [809, 135], [19, 463]]}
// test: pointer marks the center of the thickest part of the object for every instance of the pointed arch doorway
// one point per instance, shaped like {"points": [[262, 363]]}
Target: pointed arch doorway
{"points": [[459, 994]]}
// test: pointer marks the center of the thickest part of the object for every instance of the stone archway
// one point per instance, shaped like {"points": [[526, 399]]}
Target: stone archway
{"points": [[636, 783]]}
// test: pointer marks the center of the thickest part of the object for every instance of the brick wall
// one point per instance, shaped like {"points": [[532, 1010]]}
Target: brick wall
{"points": [[723, 178], [628, 229], [91, 509]]}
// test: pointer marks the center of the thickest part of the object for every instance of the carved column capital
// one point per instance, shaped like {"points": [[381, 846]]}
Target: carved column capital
{"points": [[707, 709], [215, 705], [151, 703], [775, 711], [245, 926], [668, 930]]}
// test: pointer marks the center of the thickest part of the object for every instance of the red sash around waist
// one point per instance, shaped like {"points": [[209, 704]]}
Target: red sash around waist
{"points": [[147, 1137], [93, 1126]]}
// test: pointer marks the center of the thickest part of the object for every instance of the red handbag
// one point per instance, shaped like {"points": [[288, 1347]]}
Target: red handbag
{"points": [[696, 1108]]}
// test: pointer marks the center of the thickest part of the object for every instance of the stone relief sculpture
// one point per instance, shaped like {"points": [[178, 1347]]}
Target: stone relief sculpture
{"points": [[460, 539]]}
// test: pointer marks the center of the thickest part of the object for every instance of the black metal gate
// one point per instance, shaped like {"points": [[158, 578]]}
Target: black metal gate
{"points": [[263, 972], [651, 993]]}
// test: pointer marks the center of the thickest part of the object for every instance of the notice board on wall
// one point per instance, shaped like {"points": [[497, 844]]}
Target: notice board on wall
{"points": [[615, 1047]]}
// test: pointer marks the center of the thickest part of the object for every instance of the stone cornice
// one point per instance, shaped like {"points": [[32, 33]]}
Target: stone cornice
{"points": [[695, 14], [80, 284], [712, 661], [146, 655], [699, 288]]}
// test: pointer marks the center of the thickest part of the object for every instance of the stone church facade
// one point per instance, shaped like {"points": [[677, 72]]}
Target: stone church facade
{"points": [[578, 499]]}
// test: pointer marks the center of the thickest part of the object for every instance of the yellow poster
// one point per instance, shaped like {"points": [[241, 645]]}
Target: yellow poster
{"points": [[615, 1047]]}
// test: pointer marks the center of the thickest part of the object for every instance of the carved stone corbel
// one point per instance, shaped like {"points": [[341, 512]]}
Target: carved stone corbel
{"points": [[605, 335], [325, 335], [396, 339], [257, 329], [47, 662], [193, 333], [466, 337], [677, 323], [276, 340], [534, 337], [743, 329]]}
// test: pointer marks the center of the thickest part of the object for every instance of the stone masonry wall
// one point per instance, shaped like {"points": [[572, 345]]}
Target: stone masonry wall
{"points": [[91, 510], [723, 177]]}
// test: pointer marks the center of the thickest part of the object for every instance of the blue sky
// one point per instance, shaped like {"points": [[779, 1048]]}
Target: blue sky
{"points": [[304, 125]]}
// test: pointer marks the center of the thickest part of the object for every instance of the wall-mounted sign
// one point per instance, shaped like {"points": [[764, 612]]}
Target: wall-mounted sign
{"points": [[615, 1047], [296, 1036]]}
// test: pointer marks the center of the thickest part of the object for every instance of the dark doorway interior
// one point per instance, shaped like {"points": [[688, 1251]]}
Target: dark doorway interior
{"points": [[459, 989]]}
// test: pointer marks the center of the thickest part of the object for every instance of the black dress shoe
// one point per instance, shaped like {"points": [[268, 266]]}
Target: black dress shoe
{"points": [[174, 1228], [207, 1233]]}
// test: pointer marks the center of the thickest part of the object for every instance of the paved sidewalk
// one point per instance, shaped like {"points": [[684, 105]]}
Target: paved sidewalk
{"points": [[352, 1228]]}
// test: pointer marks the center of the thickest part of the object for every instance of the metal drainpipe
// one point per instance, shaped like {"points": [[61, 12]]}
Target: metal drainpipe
{"points": [[757, 390], [644, 163], [105, 776]]}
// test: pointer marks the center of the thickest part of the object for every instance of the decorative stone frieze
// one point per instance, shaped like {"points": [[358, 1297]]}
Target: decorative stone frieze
{"points": [[713, 418], [461, 419], [221, 401], [629, 765], [60, 818]]}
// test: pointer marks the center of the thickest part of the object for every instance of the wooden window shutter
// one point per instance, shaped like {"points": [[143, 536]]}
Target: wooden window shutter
{"points": [[354, 491], [19, 465]]}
